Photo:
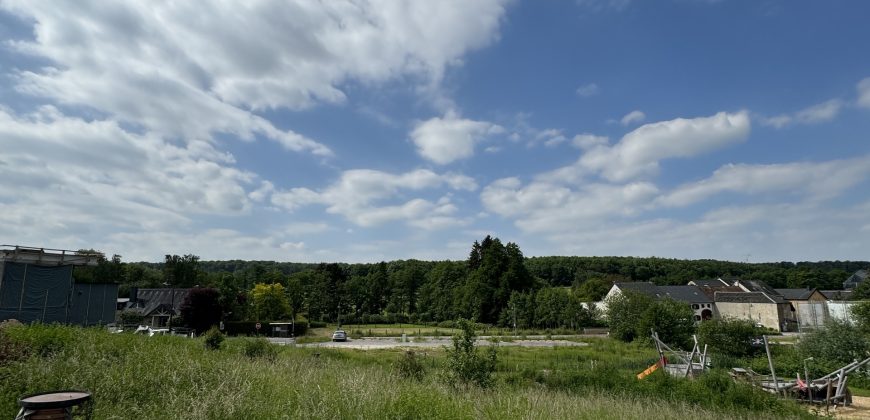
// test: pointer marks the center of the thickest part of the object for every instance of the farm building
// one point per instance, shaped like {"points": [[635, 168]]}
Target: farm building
{"points": [[36, 285]]}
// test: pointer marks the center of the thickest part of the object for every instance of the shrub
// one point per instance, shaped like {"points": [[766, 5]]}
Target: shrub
{"points": [[464, 364], [671, 320], [410, 366], [129, 316], [838, 342], [623, 313], [213, 338], [260, 348], [730, 337], [861, 315]]}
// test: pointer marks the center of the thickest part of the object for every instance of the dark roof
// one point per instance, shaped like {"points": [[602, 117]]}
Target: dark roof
{"points": [[710, 283], [837, 294], [150, 300], [761, 287], [644, 287], [710, 291], [743, 297], [796, 294], [855, 279], [691, 294]]}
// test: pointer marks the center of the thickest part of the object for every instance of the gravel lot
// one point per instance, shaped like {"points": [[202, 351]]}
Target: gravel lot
{"points": [[373, 343]]}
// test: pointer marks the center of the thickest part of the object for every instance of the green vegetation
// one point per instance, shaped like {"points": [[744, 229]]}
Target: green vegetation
{"points": [[134, 376], [213, 338], [730, 337], [465, 364], [496, 285], [633, 316]]}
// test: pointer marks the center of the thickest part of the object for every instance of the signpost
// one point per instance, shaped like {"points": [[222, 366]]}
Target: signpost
{"points": [[258, 327]]}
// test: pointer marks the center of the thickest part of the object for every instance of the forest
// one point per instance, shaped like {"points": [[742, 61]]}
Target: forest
{"points": [[495, 285]]}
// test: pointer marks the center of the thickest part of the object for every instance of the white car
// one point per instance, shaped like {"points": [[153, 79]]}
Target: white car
{"points": [[339, 335]]}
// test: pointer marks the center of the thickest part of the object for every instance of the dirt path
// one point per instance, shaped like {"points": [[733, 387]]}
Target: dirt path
{"points": [[860, 409], [370, 343]]}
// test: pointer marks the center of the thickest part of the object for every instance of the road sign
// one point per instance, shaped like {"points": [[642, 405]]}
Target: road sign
{"points": [[258, 326]]}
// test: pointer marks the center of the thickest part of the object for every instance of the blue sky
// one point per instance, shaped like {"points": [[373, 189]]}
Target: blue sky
{"points": [[377, 130]]}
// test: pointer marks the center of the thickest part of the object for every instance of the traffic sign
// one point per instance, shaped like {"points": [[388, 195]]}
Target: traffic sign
{"points": [[258, 326]]}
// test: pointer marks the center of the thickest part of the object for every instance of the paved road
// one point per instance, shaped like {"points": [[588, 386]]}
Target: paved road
{"points": [[372, 343]]}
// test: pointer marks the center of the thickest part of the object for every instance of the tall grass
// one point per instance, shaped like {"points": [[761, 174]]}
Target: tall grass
{"points": [[177, 378]]}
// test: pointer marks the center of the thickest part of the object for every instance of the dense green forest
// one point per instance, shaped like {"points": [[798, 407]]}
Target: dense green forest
{"points": [[496, 284]]}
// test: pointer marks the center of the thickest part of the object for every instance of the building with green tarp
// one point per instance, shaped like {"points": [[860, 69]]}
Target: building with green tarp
{"points": [[37, 285]]}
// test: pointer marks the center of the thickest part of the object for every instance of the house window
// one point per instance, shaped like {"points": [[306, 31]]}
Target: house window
{"points": [[697, 317], [694, 306]]}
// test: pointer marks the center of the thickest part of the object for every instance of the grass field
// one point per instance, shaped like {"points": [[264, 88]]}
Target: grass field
{"points": [[172, 377]]}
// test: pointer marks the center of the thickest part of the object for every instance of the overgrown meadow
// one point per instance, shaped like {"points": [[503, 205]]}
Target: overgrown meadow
{"points": [[134, 376]]}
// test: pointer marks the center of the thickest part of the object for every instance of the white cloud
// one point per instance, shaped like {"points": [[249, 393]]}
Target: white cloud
{"points": [[821, 180], [819, 113], [551, 137], [543, 207], [775, 232], [639, 152], [633, 117], [359, 195], [74, 183], [604, 5], [445, 140], [175, 69], [587, 90], [587, 141], [864, 93]]}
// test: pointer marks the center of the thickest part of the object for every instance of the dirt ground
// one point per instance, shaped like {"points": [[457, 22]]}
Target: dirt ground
{"points": [[432, 342], [860, 409]]}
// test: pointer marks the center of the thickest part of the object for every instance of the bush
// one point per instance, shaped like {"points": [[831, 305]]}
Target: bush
{"points": [[129, 316], [623, 313], [410, 366], [631, 315], [730, 337], [213, 338], [260, 348], [838, 342], [464, 364]]}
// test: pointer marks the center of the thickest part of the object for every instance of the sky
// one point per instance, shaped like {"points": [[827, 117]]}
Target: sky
{"points": [[361, 131]]}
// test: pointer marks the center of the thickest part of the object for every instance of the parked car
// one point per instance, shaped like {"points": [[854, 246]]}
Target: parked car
{"points": [[339, 335]]}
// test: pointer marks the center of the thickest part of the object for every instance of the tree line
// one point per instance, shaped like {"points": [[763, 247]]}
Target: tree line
{"points": [[496, 284]]}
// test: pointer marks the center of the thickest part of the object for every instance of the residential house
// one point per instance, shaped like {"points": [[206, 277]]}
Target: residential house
{"points": [[701, 304], [157, 306], [855, 279], [761, 303]]}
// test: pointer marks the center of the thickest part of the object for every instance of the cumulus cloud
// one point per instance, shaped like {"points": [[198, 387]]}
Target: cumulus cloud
{"points": [[587, 90], [187, 71], [551, 137], [445, 140], [633, 117], [820, 180], [771, 232], [360, 196], [544, 207], [638, 153], [587, 141], [819, 113]]}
